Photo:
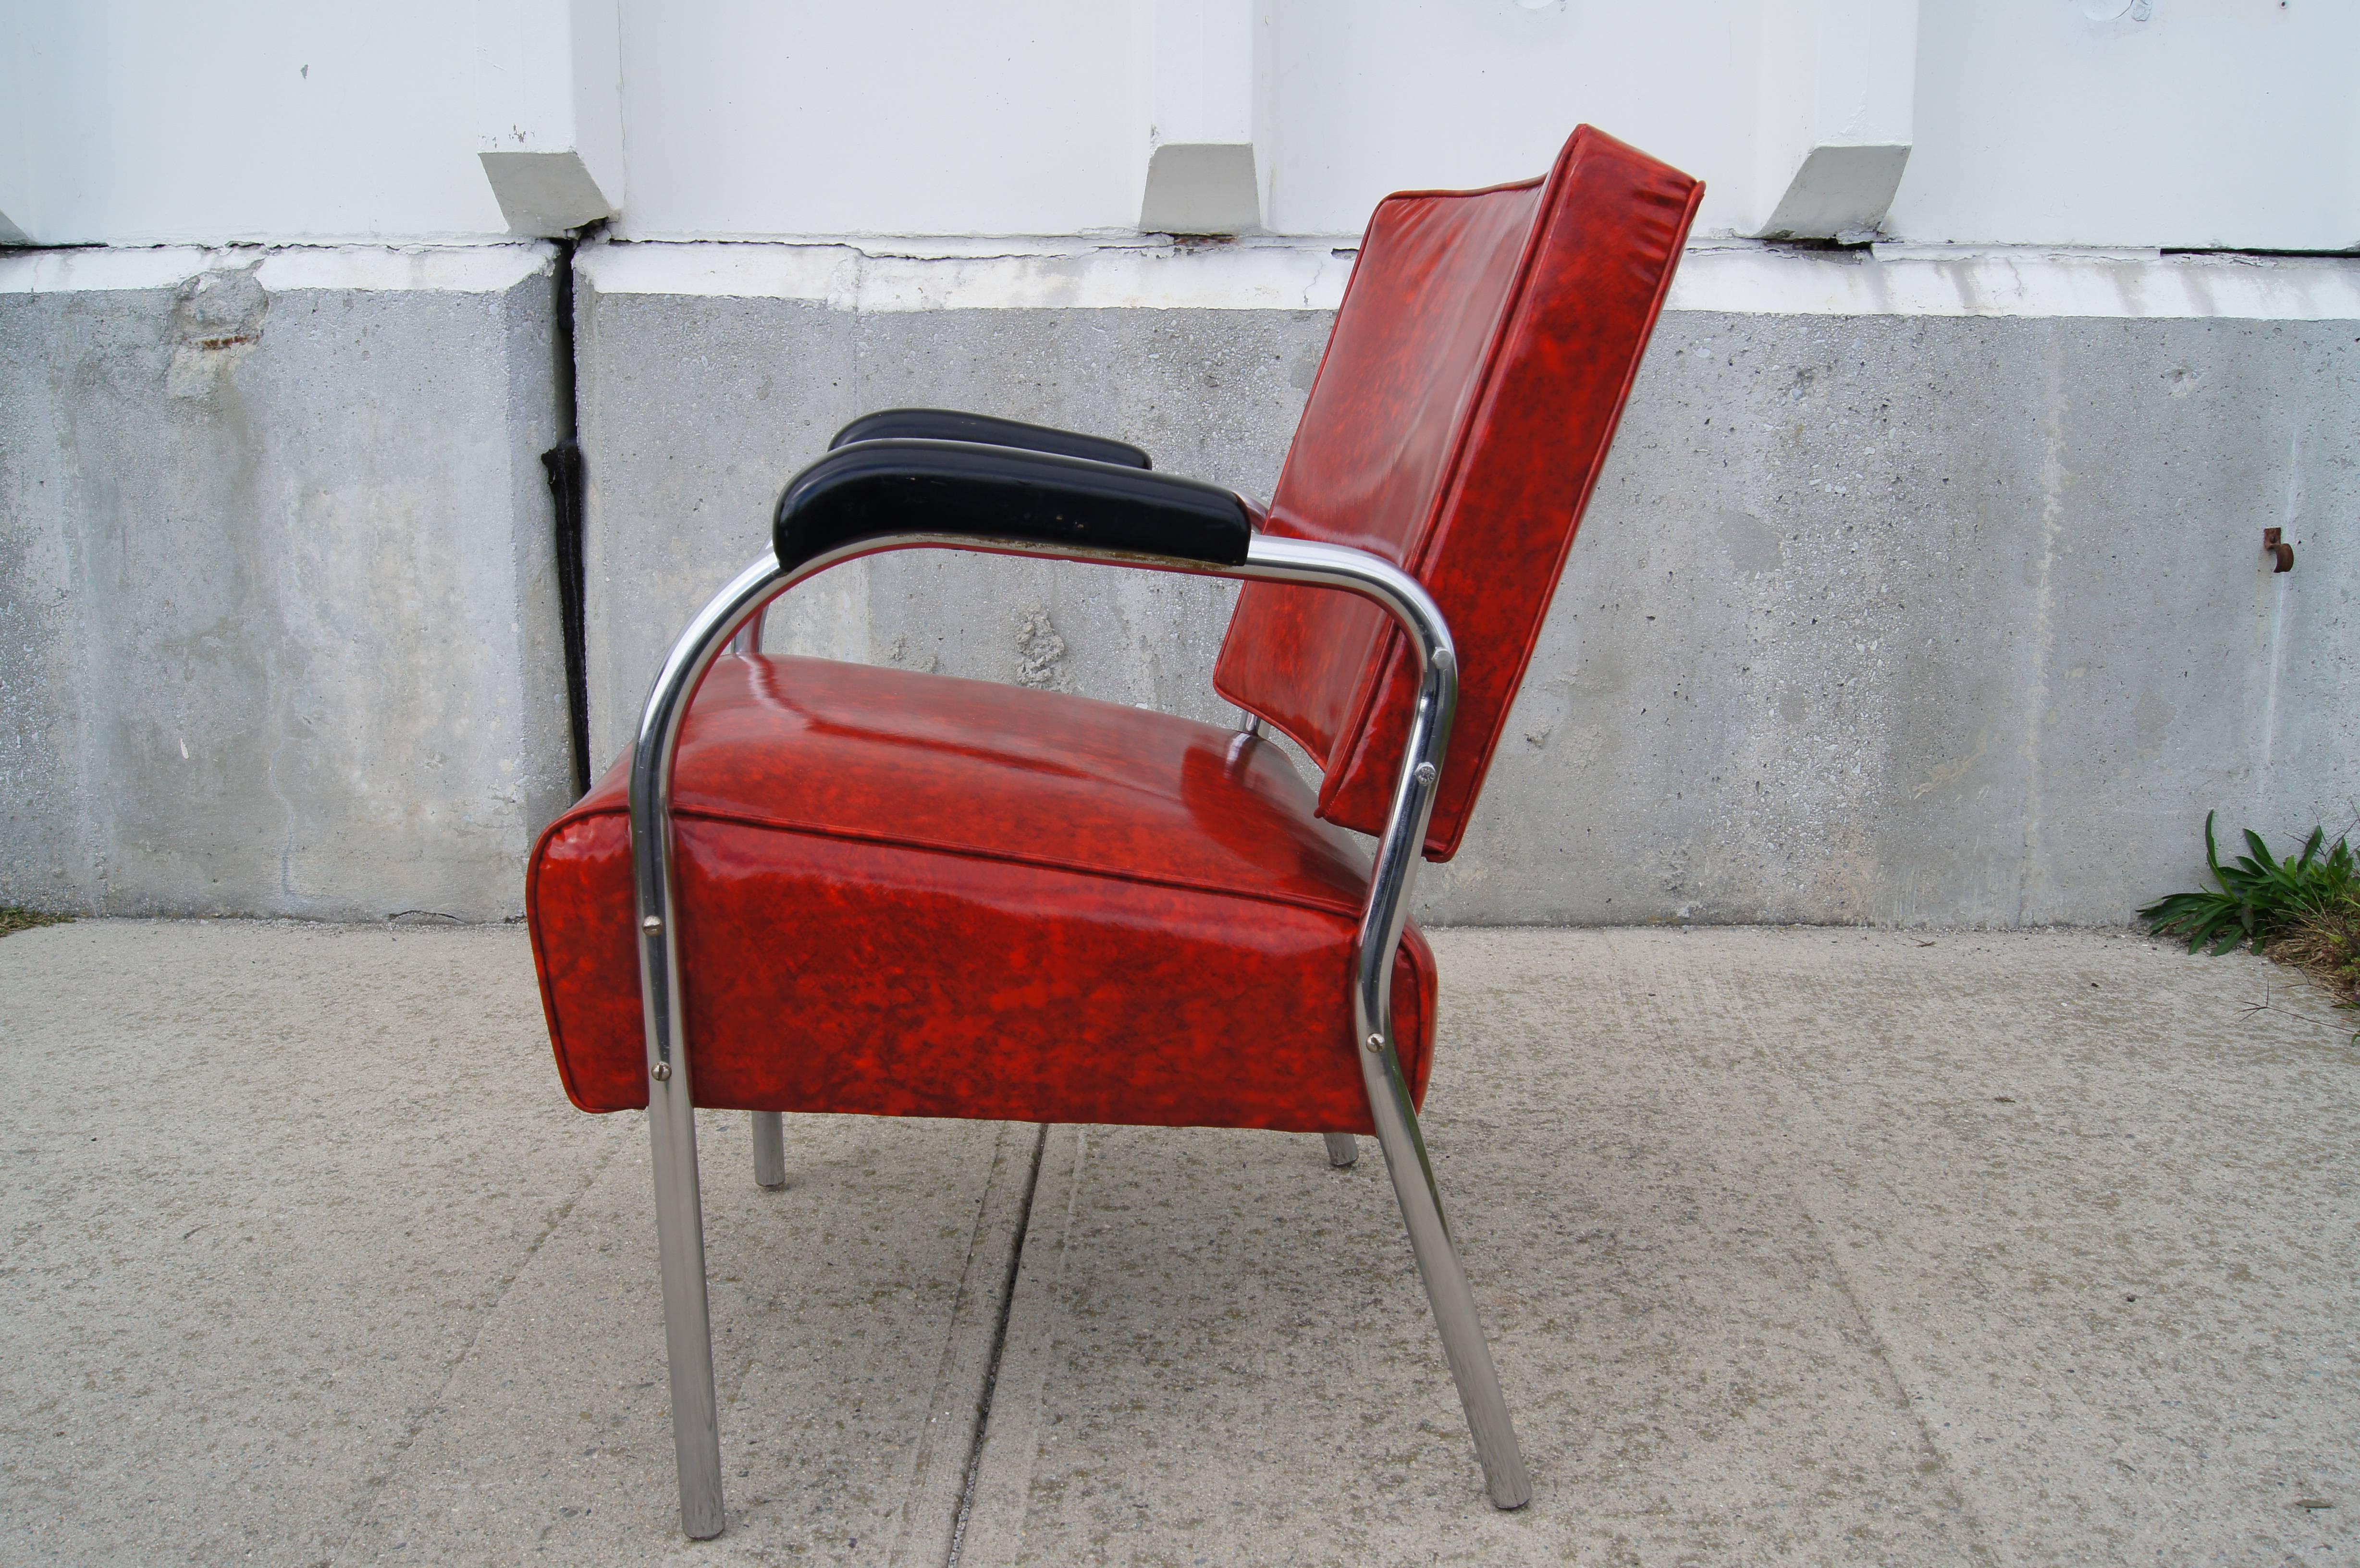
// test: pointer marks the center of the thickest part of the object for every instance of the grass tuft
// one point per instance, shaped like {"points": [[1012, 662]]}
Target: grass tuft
{"points": [[14, 919], [2327, 946], [2302, 910]]}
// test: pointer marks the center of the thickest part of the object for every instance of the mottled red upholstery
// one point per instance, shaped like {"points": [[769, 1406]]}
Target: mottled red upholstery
{"points": [[909, 895], [1470, 392], [906, 895]]}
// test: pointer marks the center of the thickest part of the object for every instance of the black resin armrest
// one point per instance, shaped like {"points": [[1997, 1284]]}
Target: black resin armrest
{"points": [[944, 424], [873, 488]]}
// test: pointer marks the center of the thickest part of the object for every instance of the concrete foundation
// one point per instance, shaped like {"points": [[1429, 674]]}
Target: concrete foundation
{"points": [[278, 617], [1903, 618], [1918, 620], [1917, 592]]}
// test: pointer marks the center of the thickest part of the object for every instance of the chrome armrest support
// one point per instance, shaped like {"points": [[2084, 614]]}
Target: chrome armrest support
{"points": [[679, 1219], [1269, 559]]}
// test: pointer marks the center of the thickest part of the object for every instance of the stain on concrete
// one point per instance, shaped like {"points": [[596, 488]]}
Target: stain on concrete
{"points": [[902, 656], [1753, 545], [1039, 650], [216, 322]]}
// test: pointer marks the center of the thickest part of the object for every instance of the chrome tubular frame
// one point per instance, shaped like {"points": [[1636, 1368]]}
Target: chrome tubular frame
{"points": [[672, 1120]]}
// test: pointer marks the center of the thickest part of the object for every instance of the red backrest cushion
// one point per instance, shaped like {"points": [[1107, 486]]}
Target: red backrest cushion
{"points": [[1470, 389]]}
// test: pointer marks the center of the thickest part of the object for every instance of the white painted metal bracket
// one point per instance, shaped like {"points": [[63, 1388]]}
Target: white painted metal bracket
{"points": [[549, 111], [1837, 96], [16, 150], [1201, 175]]}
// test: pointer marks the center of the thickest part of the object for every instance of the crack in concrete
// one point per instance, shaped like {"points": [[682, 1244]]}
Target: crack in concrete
{"points": [[2054, 478], [375, 1486], [982, 1429], [1840, 1265]]}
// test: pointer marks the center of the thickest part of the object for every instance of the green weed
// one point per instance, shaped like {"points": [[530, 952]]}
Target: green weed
{"points": [[2302, 910], [14, 919], [2261, 899]]}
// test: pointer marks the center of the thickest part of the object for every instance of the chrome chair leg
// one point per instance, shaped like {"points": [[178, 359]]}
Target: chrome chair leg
{"points": [[1343, 1150], [671, 1109], [688, 1322], [1463, 1346], [769, 1150]]}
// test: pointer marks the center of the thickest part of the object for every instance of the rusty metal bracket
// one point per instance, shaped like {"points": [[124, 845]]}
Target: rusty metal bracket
{"points": [[2273, 545]]}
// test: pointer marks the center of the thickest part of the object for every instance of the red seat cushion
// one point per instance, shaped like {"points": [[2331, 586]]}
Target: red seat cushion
{"points": [[908, 895]]}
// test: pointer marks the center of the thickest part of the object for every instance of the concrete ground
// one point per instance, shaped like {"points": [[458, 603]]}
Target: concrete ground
{"points": [[1796, 1245]]}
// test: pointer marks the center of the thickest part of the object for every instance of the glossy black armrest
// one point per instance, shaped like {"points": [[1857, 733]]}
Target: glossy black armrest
{"points": [[944, 424], [878, 487]]}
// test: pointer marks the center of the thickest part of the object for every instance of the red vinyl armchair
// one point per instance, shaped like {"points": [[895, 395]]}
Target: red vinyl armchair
{"points": [[1015, 904]]}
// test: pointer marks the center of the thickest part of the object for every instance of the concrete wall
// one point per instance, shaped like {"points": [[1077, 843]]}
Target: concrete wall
{"points": [[1932, 594], [277, 623], [1917, 591], [1937, 620]]}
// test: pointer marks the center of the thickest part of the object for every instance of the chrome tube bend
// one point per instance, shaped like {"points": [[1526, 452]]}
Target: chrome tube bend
{"points": [[671, 1106], [1269, 559]]}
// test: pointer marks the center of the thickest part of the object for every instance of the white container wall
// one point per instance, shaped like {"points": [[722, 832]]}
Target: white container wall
{"points": [[2101, 123]]}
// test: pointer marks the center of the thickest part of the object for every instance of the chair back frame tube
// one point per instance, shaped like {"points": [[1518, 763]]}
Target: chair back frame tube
{"points": [[672, 1118]]}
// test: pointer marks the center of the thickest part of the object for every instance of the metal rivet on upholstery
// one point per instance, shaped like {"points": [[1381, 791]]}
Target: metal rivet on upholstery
{"points": [[653, 924], [661, 1072]]}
